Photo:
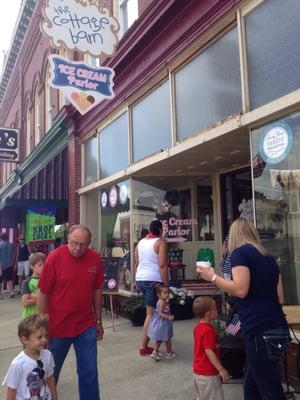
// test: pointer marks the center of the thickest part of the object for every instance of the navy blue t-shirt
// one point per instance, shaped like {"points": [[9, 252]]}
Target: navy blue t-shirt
{"points": [[260, 310]]}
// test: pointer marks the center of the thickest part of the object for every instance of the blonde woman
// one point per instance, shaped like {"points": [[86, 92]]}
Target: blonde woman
{"points": [[256, 284]]}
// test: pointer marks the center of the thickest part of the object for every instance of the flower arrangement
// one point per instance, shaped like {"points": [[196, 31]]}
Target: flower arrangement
{"points": [[181, 296]]}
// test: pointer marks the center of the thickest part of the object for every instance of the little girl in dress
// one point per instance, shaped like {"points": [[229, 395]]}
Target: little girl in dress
{"points": [[161, 326]]}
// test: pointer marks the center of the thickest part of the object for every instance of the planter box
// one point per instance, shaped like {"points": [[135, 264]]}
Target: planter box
{"points": [[233, 355], [182, 311], [290, 365]]}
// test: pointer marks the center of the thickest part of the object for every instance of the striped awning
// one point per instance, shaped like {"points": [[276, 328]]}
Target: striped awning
{"points": [[50, 183]]}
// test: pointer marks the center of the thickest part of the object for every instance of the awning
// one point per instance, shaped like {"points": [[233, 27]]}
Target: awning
{"points": [[48, 185]]}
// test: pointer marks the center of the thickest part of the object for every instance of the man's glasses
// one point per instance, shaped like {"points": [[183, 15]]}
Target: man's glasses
{"points": [[40, 369]]}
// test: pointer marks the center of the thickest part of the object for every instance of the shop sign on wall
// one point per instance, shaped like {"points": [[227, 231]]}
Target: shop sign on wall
{"points": [[276, 142], [9, 145], [82, 85], [80, 25], [40, 223]]}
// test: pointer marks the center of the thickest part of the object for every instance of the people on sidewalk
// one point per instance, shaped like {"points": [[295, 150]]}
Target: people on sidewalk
{"points": [[31, 373], [151, 258], [23, 261], [257, 287], [71, 293], [207, 366], [161, 326], [30, 286], [7, 261]]}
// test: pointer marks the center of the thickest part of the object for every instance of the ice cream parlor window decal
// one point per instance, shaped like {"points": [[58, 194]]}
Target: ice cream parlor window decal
{"points": [[276, 142]]}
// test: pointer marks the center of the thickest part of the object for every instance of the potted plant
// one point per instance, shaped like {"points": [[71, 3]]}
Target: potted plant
{"points": [[181, 303], [134, 308]]}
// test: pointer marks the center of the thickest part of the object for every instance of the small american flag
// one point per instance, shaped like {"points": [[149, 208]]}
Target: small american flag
{"points": [[234, 326]]}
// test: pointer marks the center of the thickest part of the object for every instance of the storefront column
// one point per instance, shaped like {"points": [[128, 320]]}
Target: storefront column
{"points": [[74, 179]]}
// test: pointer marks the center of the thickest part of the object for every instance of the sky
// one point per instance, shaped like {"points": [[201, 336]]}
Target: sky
{"points": [[8, 17]]}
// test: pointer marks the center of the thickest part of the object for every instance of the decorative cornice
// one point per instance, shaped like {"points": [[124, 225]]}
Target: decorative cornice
{"points": [[24, 17]]}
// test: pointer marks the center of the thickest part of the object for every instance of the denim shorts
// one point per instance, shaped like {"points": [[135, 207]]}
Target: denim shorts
{"points": [[6, 274], [148, 290]]}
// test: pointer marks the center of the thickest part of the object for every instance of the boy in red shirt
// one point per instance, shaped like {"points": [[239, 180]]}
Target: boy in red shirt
{"points": [[207, 366]]}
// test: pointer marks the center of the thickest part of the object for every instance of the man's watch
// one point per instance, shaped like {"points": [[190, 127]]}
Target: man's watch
{"points": [[213, 279], [98, 322]]}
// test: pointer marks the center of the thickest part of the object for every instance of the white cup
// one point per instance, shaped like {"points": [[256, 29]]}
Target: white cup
{"points": [[203, 264]]}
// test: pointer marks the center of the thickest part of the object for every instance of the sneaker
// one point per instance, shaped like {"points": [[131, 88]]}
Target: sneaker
{"points": [[172, 354], [156, 355], [146, 352]]}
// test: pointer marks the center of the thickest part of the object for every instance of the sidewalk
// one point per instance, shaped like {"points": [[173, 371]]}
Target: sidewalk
{"points": [[124, 375]]}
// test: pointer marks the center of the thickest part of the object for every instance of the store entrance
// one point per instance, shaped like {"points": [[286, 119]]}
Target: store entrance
{"points": [[236, 197]]}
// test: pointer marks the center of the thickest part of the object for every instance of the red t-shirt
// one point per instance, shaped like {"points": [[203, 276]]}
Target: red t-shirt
{"points": [[205, 337], [69, 284]]}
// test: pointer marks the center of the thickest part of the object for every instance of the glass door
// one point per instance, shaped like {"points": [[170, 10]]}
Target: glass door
{"points": [[236, 197]]}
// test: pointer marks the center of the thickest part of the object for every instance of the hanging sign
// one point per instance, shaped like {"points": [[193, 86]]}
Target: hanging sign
{"points": [[80, 25], [9, 145], [82, 85], [276, 142], [40, 223]]}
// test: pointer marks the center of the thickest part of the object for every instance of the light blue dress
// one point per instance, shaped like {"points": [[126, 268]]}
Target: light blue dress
{"points": [[160, 328]]}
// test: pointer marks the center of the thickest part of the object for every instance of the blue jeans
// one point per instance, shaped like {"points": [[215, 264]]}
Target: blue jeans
{"points": [[262, 379], [148, 290], [85, 346]]}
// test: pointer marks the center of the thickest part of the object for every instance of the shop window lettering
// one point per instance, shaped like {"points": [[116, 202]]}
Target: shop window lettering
{"points": [[175, 227]]}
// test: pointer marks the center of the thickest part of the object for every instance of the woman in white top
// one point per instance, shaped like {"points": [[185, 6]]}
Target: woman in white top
{"points": [[151, 257]]}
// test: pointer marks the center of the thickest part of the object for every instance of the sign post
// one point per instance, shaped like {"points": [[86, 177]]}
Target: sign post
{"points": [[9, 145]]}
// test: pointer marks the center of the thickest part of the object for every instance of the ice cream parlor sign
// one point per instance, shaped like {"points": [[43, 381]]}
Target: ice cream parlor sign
{"points": [[80, 25]]}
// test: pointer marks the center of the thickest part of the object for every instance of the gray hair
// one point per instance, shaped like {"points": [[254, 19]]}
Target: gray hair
{"points": [[81, 227]]}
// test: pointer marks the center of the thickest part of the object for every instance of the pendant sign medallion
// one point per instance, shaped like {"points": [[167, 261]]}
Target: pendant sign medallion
{"points": [[82, 26]]}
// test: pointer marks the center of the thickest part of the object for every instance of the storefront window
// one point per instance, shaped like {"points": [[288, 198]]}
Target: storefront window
{"points": [[113, 143], [276, 171], [208, 89], [90, 161], [115, 220], [151, 123], [273, 50], [172, 207], [115, 230], [205, 216]]}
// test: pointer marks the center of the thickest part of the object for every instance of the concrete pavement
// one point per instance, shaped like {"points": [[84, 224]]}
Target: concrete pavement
{"points": [[124, 375]]}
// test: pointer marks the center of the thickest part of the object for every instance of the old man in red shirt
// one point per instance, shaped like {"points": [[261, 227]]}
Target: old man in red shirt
{"points": [[71, 294]]}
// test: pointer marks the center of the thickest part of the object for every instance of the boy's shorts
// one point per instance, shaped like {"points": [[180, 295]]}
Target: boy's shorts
{"points": [[148, 290], [208, 387], [23, 268]]}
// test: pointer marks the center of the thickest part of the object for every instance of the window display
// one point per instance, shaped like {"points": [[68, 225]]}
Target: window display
{"points": [[277, 197], [205, 210], [172, 207], [115, 228]]}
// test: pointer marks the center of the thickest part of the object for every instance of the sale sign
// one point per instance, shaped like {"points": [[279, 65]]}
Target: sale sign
{"points": [[79, 25], [84, 86], [40, 223]]}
